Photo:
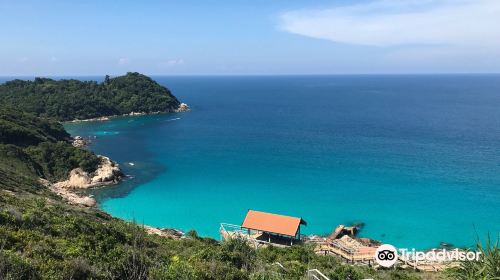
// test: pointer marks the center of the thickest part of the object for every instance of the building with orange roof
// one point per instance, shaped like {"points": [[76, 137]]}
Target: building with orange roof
{"points": [[263, 227]]}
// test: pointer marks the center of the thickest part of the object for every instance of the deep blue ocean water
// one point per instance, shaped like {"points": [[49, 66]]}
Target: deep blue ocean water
{"points": [[414, 158]]}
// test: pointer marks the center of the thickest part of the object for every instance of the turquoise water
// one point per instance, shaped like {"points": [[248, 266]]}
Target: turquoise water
{"points": [[414, 158]]}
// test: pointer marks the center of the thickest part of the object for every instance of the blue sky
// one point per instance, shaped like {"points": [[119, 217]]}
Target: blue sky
{"points": [[249, 37]]}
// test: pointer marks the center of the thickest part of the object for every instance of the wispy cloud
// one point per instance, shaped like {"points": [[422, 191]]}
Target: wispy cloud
{"points": [[458, 23], [173, 62], [123, 61]]}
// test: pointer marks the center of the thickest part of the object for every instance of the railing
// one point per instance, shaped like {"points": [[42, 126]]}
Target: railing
{"points": [[348, 253], [234, 231], [232, 228], [314, 274]]}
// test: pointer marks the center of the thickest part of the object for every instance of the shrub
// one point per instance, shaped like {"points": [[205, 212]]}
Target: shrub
{"points": [[487, 267], [14, 267]]}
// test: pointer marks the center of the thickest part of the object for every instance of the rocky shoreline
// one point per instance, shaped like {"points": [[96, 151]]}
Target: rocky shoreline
{"points": [[107, 173], [183, 107], [79, 141]]}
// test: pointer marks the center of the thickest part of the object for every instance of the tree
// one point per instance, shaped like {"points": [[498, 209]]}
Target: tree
{"points": [[66, 100]]}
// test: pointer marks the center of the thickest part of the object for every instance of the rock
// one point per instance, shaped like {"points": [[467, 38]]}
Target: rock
{"points": [[78, 141], [70, 196], [166, 232], [445, 245], [106, 118], [136, 113], [369, 242], [107, 173], [85, 201], [358, 225], [173, 232], [78, 179], [182, 108]]}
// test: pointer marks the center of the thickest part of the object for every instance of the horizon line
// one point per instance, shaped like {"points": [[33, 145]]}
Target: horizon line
{"points": [[260, 74]]}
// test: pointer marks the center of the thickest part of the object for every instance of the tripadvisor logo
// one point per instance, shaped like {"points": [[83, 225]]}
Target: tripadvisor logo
{"points": [[386, 255]]}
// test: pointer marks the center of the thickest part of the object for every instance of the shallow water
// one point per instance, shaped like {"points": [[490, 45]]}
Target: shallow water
{"points": [[414, 158]]}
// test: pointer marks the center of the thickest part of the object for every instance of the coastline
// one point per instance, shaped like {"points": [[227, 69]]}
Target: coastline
{"points": [[108, 173], [84, 200], [68, 190], [183, 107], [355, 165]]}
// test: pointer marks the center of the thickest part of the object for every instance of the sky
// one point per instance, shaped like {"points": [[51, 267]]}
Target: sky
{"points": [[259, 37]]}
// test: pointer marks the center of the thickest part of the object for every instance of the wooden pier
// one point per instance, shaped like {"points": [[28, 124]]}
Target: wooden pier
{"points": [[347, 248]]}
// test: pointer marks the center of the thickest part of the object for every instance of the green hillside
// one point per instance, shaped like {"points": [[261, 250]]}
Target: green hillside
{"points": [[34, 147], [66, 100]]}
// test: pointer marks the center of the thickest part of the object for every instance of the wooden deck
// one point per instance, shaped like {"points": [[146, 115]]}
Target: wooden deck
{"points": [[354, 254], [345, 247]]}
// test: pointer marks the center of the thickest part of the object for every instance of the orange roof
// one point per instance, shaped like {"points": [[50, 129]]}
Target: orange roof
{"points": [[273, 223]]}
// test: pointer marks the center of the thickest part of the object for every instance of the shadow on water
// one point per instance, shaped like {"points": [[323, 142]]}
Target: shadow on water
{"points": [[148, 171], [123, 141]]}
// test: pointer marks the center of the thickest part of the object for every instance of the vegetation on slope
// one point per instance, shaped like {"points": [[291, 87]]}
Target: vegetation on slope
{"points": [[42, 238], [487, 268], [34, 147], [66, 100]]}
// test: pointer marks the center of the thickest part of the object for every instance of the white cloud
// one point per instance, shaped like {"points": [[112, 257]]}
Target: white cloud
{"points": [[123, 61], [54, 59], [465, 24], [173, 62], [23, 59]]}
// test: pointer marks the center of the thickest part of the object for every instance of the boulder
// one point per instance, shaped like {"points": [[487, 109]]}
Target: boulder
{"points": [[183, 107]]}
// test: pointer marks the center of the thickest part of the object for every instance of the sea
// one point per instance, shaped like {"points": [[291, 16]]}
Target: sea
{"points": [[413, 159]]}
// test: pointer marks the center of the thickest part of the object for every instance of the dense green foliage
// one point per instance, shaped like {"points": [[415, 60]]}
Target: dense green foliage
{"points": [[488, 267], [42, 238], [73, 99], [24, 129], [34, 147]]}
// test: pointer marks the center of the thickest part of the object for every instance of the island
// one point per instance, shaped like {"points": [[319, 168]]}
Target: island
{"points": [[70, 100]]}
